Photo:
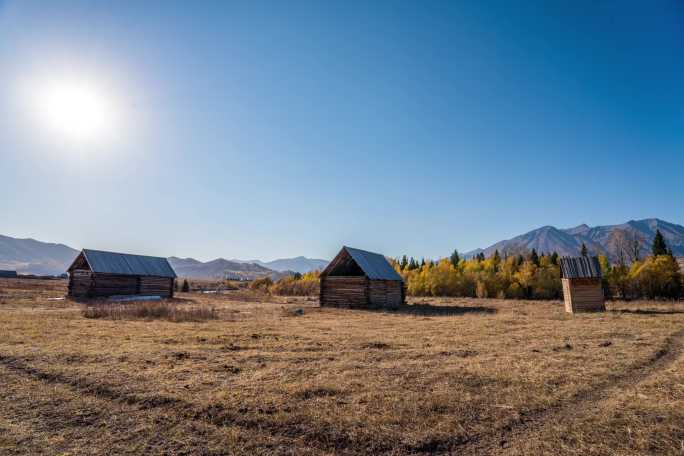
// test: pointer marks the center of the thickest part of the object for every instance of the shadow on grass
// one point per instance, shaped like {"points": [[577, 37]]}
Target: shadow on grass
{"points": [[648, 311], [437, 311]]}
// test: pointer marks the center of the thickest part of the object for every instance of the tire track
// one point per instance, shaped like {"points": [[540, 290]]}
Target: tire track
{"points": [[317, 436], [582, 403], [529, 422]]}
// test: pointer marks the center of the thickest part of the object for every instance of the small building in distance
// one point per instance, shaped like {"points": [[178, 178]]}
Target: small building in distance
{"points": [[8, 274], [582, 288], [359, 279], [95, 273]]}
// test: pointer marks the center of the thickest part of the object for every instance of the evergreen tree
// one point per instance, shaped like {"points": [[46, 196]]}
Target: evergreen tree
{"points": [[659, 245], [534, 258], [422, 262], [585, 251], [186, 286], [404, 263], [497, 256], [520, 260], [454, 258], [412, 264], [554, 258]]}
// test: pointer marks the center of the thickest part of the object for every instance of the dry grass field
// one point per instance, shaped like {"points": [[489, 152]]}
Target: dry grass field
{"points": [[441, 376]]}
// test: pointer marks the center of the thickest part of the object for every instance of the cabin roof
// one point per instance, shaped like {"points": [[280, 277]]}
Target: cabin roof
{"points": [[374, 265], [127, 264], [580, 268]]}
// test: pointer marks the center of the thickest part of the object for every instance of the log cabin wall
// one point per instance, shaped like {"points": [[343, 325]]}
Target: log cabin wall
{"points": [[342, 291], [84, 284], [386, 294], [80, 282], [360, 292], [156, 286]]}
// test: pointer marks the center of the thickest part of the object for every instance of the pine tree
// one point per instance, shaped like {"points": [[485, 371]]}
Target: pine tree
{"points": [[422, 262], [554, 258], [534, 258], [454, 258], [585, 251], [404, 262], [497, 256], [659, 245], [186, 286]]}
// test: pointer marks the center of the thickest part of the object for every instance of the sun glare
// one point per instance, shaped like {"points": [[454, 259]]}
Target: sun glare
{"points": [[76, 111]]}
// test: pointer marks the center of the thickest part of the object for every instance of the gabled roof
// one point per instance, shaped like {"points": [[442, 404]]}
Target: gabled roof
{"points": [[374, 265], [580, 268], [127, 264]]}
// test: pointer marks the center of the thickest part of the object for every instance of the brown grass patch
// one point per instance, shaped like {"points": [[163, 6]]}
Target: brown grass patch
{"points": [[522, 378], [150, 310]]}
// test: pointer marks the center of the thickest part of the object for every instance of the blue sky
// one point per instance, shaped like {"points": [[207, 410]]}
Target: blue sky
{"points": [[274, 129]]}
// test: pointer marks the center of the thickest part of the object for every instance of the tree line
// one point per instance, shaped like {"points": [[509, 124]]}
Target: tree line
{"points": [[537, 276], [526, 275]]}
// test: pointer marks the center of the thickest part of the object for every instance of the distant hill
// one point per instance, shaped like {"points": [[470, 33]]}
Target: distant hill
{"points": [[29, 256], [611, 240], [299, 264], [219, 268]]}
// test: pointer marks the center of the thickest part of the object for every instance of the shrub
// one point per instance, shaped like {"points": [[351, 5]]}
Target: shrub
{"points": [[261, 284], [150, 310], [305, 285]]}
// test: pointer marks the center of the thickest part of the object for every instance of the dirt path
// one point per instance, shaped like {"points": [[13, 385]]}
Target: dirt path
{"points": [[583, 404]]}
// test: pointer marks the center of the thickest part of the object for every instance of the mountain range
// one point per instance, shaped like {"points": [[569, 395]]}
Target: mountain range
{"points": [[615, 241], [299, 264], [29, 256], [222, 268]]}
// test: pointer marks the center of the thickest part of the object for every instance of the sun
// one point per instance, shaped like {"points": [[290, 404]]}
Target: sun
{"points": [[76, 111]]}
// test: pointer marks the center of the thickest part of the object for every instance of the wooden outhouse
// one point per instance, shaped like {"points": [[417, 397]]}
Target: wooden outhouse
{"points": [[95, 273], [359, 279], [582, 288]]}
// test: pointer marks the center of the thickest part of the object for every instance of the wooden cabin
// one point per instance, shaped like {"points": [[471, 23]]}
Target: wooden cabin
{"points": [[582, 288], [95, 273], [359, 279]]}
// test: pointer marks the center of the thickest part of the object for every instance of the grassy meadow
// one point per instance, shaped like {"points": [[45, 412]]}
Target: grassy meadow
{"points": [[248, 373]]}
